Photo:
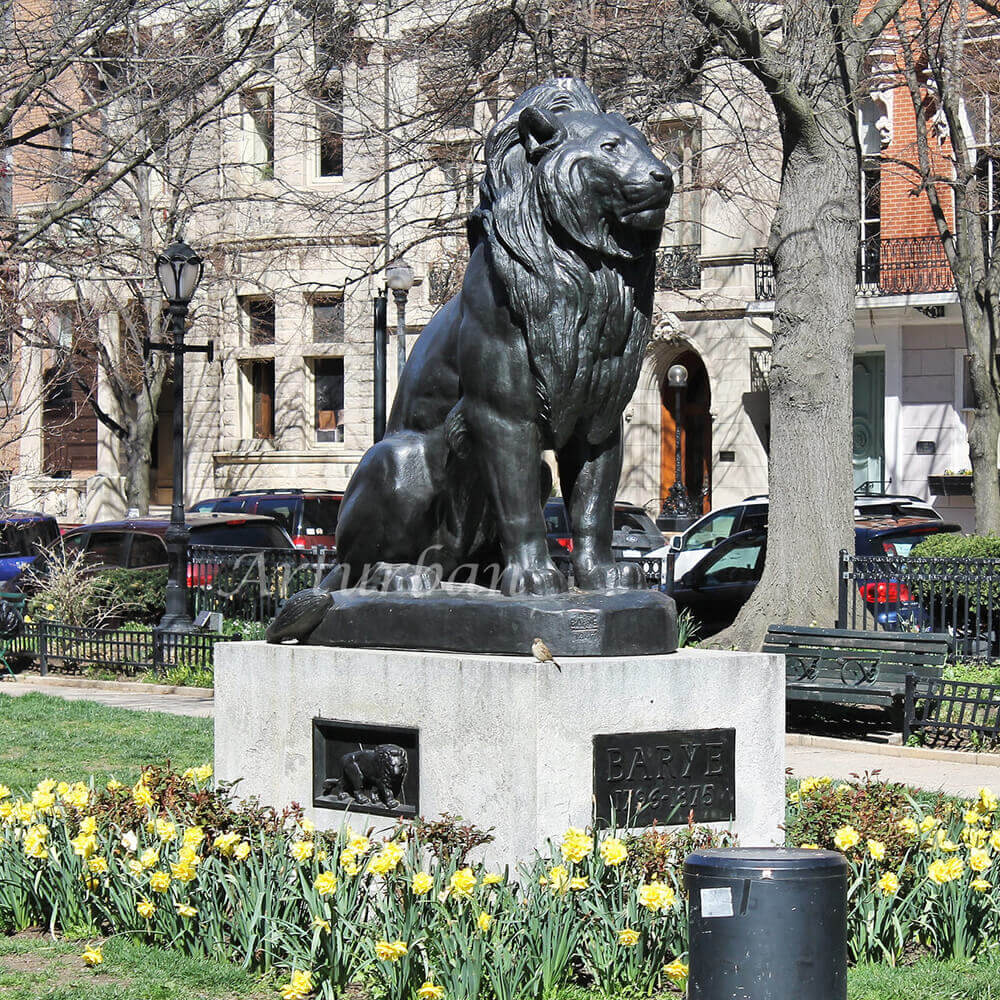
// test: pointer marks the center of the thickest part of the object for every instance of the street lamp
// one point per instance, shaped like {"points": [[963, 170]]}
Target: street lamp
{"points": [[399, 276], [678, 511], [179, 270]]}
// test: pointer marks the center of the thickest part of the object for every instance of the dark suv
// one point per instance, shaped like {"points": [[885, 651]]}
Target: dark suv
{"points": [[24, 537], [309, 516], [139, 543]]}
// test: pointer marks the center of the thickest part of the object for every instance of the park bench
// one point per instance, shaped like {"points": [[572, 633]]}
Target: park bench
{"points": [[844, 666]]}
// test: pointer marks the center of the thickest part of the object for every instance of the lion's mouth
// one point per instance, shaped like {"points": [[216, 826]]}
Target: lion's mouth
{"points": [[648, 213]]}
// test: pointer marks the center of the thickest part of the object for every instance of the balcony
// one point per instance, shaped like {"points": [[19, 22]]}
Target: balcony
{"points": [[906, 266], [678, 268]]}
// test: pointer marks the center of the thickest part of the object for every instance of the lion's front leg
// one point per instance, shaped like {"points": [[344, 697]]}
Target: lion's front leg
{"points": [[589, 476], [511, 459]]}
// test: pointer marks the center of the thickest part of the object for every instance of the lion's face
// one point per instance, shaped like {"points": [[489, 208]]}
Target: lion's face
{"points": [[393, 759], [598, 180]]}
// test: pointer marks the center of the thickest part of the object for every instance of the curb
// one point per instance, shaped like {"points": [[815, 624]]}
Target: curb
{"points": [[126, 687], [889, 750]]}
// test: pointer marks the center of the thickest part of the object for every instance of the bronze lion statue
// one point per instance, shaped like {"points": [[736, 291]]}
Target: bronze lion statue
{"points": [[541, 349], [371, 776]]}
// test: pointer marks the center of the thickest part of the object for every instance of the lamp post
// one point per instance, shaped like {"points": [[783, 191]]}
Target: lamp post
{"points": [[378, 402], [678, 511], [179, 270], [399, 276]]}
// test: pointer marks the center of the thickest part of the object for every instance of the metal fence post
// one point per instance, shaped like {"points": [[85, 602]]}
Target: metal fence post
{"points": [[43, 649], [158, 658], [842, 590], [909, 706]]}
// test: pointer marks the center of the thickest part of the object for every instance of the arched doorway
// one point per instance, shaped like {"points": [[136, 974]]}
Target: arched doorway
{"points": [[696, 431]]}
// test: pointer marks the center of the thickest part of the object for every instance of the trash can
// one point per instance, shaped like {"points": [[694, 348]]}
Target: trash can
{"points": [[767, 924]]}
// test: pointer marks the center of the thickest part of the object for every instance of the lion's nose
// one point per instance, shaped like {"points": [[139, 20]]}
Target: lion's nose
{"points": [[660, 176]]}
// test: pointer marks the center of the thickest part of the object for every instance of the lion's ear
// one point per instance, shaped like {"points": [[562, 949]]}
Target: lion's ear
{"points": [[540, 132]]}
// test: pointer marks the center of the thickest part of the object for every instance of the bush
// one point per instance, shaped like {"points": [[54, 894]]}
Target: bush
{"points": [[139, 594], [67, 590], [958, 546]]}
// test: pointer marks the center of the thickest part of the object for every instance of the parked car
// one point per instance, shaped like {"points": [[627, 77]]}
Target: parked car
{"points": [[635, 533], [708, 531], [25, 535], [309, 516], [721, 582], [139, 543]]}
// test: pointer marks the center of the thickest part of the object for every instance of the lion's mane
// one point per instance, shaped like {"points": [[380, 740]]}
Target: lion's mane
{"points": [[387, 754], [565, 280]]}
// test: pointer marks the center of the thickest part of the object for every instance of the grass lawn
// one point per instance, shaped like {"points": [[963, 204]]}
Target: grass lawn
{"points": [[37, 968], [42, 736]]}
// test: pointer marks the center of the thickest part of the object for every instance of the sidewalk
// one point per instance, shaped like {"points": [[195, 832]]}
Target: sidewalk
{"points": [[196, 702], [941, 770], [947, 771]]}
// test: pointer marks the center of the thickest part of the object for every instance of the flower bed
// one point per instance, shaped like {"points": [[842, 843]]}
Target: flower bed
{"points": [[174, 861], [923, 876]]}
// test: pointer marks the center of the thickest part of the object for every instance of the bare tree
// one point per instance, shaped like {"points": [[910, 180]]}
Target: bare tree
{"points": [[948, 58]]}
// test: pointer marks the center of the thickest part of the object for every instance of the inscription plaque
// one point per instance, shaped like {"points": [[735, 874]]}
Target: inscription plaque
{"points": [[646, 778], [365, 768]]}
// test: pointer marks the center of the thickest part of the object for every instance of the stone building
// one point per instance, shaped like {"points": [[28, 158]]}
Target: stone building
{"points": [[303, 217]]}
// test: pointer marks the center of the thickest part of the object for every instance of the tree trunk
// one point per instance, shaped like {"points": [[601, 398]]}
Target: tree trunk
{"points": [[138, 453], [985, 425], [813, 244]]}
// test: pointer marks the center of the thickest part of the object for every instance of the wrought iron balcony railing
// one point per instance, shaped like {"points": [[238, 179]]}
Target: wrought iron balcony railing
{"points": [[902, 266], [678, 268]]}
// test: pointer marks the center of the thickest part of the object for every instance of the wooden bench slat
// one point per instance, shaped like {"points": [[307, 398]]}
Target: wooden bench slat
{"points": [[832, 652], [851, 642]]}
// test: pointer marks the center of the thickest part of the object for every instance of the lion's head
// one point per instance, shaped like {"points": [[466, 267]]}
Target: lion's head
{"points": [[568, 166], [393, 765], [571, 207]]}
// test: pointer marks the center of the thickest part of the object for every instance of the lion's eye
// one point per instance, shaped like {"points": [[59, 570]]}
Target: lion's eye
{"points": [[609, 145]]}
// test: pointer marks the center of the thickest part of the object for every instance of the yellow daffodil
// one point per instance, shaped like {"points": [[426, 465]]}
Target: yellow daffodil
{"points": [[142, 796], [390, 951], [349, 862], [876, 849], [808, 847], [325, 883], [165, 830], [995, 840], [145, 908], [628, 937], [300, 986], [793, 797], [942, 871], [980, 885], [929, 823], [986, 801], [462, 882], [226, 843], [979, 860], [301, 850], [113, 786], [908, 825], [193, 836], [656, 896], [185, 910], [321, 924], [846, 838], [483, 921], [92, 956], [98, 865], [430, 992], [84, 845], [676, 971], [557, 879], [4, 792], [242, 850], [612, 851], [422, 883], [576, 845], [36, 841], [159, 881], [149, 857], [578, 883], [889, 884], [492, 878]]}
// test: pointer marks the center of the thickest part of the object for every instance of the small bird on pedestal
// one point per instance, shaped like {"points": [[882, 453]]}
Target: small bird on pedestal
{"points": [[543, 653]]}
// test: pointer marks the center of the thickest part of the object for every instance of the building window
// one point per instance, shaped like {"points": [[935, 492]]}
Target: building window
{"points": [[328, 378], [258, 377], [258, 130], [983, 141], [258, 311], [328, 319], [870, 244], [330, 128], [680, 143]]}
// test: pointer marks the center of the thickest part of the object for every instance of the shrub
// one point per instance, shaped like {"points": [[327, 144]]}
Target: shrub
{"points": [[138, 593], [67, 590]]}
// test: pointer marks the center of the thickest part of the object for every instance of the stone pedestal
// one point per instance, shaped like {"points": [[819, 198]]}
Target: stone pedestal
{"points": [[507, 741]]}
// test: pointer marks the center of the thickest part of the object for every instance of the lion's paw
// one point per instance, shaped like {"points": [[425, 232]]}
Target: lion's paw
{"points": [[614, 576], [405, 577], [540, 581]]}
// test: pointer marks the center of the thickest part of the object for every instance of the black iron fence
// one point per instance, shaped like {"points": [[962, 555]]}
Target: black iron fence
{"points": [[251, 585], [961, 714], [902, 266], [960, 596], [678, 268], [124, 651]]}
